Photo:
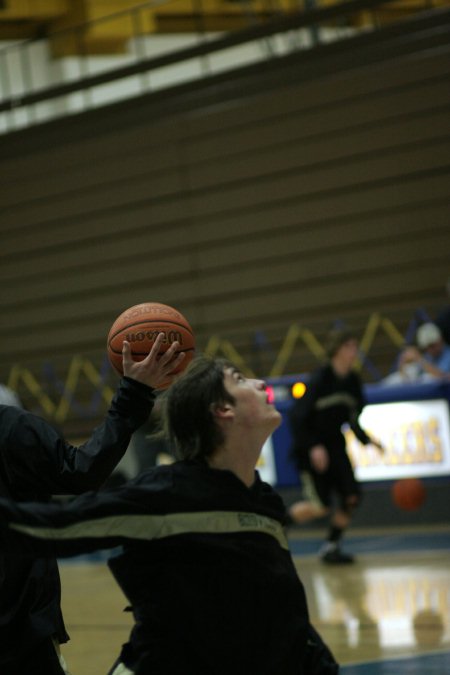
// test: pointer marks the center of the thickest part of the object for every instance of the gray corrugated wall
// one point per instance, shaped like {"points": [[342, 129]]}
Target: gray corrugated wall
{"points": [[304, 201]]}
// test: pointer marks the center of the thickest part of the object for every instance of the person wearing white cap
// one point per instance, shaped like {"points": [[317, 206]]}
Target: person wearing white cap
{"points": [[435, 354]]}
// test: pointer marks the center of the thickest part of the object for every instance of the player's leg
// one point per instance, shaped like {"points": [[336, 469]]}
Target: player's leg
{"points": [[314, 502], [349, 496]]}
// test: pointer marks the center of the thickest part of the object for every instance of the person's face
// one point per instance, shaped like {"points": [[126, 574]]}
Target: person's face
{"points": [[252, 407], [348, 352]]}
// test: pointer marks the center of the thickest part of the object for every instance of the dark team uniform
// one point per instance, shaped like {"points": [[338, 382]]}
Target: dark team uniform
{"points": [[35, 463], [205, 566], [316, 419]]}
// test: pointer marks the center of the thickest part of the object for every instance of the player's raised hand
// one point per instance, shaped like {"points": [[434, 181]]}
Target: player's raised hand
{"points": [[156, 370], [320, 458], [378, 445]]}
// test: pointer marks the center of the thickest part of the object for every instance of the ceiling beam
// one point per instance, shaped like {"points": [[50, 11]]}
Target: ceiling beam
{"points": [[102, 26], [33, 10]]}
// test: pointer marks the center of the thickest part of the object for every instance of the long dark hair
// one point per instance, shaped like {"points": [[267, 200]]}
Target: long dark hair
{"points": [[336, 338], [188, 408]]}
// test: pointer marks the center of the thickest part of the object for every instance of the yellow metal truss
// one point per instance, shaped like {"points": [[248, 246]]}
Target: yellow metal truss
{"points": [[20, 376]]}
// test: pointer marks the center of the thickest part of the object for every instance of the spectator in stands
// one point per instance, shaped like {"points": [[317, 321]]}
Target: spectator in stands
{"points": [[409, 369], [432, 354], [436, 354]]}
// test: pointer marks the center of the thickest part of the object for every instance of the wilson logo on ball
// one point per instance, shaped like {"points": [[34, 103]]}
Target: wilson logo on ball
{"points": [[169, 337]]}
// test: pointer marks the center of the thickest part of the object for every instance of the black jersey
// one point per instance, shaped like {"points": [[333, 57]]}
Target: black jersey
{"points": [[35, 463], [317, 418], [205, 566]]}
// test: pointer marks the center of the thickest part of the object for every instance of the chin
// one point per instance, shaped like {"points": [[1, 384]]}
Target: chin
{"points": [[277, 418]]}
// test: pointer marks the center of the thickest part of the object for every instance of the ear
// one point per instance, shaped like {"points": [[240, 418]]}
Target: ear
{"points": [[222, 410]]}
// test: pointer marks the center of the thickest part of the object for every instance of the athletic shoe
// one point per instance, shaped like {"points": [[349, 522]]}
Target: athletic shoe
{"points": [[331, 554]]}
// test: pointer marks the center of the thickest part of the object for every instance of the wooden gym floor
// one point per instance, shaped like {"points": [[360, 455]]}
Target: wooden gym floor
{"points": [[388, 614]]}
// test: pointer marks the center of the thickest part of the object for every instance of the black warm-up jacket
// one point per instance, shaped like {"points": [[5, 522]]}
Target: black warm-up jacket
{"points": [[204, 564], [317, 418], [35, 463]]}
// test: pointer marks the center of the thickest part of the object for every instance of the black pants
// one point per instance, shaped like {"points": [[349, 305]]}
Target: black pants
{"points": [[318, 658], [42, 660]]}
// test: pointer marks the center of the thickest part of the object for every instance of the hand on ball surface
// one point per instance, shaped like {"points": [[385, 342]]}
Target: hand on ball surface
{"points": [[156, 370], [140, 326]]}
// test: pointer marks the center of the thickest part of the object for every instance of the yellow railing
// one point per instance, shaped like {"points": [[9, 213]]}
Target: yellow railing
{"points": [[22, 379]]}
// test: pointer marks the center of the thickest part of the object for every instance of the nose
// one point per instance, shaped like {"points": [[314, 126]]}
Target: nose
{"points": [[260, 384]]}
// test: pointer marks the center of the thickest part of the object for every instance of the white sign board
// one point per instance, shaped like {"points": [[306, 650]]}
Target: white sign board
{"points": [[266, 463], [415, 435]]}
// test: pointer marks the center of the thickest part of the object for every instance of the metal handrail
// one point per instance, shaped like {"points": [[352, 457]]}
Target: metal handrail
{"points": [[308, 18]]}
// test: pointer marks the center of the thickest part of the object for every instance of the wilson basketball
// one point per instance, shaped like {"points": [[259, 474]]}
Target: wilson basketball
{"points": [[408, 494], [140, 325]]}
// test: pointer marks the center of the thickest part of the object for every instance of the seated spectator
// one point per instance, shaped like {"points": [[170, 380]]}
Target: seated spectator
{"points": [[430, 360], [435, 358], [409, 369]]}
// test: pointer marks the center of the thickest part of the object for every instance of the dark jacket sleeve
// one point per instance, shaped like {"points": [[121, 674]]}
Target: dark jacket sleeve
{"points": [[36, 460], [318, 659], [92, 521], [355, 426]]}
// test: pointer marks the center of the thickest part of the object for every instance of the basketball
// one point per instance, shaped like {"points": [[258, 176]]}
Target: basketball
{"points": [[140, 325], [408, 494]]}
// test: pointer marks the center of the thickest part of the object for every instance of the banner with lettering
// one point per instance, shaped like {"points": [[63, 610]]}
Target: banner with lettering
{"points": [[415, 435]]}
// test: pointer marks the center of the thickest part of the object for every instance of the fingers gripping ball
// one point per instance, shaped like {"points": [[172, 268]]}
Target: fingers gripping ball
{"points": [[140, 325], [408, 494]]}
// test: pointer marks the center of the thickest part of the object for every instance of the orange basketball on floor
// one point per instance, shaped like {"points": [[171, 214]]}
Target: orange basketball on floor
{"points": [[409, 493], [140, 325]]}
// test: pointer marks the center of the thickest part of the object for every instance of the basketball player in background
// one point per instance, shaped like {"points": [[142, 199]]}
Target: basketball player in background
{"points": [[35, 463], [333, 397], [205, 562]]}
